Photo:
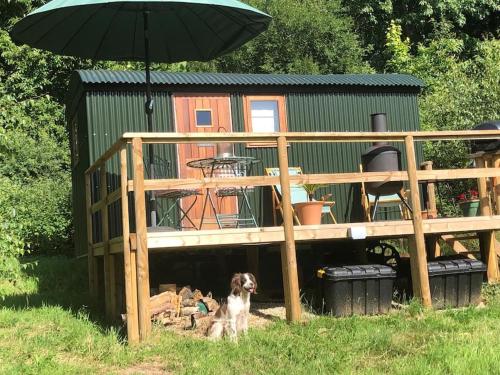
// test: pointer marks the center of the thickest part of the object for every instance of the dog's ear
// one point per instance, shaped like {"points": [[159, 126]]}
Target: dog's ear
{"points": [[236, 284], [254, 281]]}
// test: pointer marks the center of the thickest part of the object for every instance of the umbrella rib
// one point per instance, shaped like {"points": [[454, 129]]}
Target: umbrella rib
{"points": [[81, 27], [188, 32], [107, 30], [52, 28], [135, 33]]}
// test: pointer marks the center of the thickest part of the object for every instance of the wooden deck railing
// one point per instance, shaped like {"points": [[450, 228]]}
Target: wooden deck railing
{"points": [[135, 252]]}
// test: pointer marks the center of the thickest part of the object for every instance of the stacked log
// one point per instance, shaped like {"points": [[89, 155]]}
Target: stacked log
{"points": [[168, 307]]}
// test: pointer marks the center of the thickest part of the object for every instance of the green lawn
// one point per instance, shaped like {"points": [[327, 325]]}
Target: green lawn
{"points": [[47, 327]]}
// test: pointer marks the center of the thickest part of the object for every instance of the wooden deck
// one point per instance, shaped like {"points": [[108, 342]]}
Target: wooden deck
{"points": [[135, 248], [208, 239]]}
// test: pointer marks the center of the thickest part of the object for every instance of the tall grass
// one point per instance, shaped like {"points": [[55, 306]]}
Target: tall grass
{"points": [[48, 327]]}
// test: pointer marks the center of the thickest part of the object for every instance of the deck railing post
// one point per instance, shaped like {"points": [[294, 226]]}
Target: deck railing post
{"points": [[432, 244], [92, 266], [496, 184], [487, 240], [288, 254], [109, 261], [130, 298], [418, 258], [143, 294]]}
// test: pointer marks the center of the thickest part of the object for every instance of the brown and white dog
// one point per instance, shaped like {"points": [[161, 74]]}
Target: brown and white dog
{"points": [[232, 317]]}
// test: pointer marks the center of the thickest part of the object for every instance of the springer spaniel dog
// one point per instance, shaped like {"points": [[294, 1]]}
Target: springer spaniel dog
{"points": [[232, 317]]}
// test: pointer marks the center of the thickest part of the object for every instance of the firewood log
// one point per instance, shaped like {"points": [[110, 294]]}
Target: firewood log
{"points": [[185, 311], [186, 293], [162, 298], [168, 306]]}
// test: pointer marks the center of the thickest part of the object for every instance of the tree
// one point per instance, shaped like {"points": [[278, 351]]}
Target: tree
{"points": [[310, 36], [470, 20], [458, 94]]}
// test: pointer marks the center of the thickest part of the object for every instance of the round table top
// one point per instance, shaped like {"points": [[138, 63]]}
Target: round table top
{"points": [[221, 161]]}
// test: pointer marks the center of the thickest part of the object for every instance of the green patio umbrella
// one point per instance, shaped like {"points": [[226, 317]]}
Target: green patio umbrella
{"points": [[137, 30]]}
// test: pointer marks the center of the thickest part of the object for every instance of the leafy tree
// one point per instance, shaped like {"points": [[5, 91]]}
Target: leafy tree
{"points": [[458, 94], [470, 20], [311, 36]]}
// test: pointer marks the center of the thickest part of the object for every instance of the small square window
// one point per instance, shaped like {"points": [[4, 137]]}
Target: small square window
{"points": [[203, 117]]}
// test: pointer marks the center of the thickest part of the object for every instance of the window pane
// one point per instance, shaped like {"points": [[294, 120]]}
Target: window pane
{"points": [[203, 117], [264, 115]]}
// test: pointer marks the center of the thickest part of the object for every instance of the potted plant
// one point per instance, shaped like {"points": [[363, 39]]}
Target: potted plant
{"points": [[469, 202], [309, 213]]}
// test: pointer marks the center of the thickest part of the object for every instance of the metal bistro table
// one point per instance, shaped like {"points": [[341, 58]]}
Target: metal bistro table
{"points": [[224, 167]]}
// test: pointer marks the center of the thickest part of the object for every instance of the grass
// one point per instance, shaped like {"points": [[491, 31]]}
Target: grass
{"points": [[48, 327]]}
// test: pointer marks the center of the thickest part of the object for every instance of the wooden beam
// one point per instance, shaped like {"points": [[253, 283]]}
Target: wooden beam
{"points": [[496, 184], [484, 197], [91, 261], [107, 155], [431, 193], [130, 301], [418, 260], [143, 294], [110, 198], [487, 243], [218, 238], [310, 137], [109, 272], [288, 254], [455, 244], [252, 253], [334, 178], [487, 239]]}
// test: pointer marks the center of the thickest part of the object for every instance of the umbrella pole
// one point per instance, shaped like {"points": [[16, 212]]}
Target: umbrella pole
{"points": [[149, 115]]}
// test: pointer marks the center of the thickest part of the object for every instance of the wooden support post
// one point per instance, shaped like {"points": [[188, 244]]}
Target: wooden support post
{"points": [[143, 294], [253, 260], [496, 184], [92, 266], [431, 193], [487, 241], [418, 261], [109, 264], [130, 301], [288, 254], [484, 197]]}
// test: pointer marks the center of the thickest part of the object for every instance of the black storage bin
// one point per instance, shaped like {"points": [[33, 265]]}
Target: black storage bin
{"points": [[348, 290], [453, 282]]}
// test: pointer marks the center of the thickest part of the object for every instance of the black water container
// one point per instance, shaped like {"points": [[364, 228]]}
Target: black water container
{"points": [[486, 145], [381, 157], [348, 290]]}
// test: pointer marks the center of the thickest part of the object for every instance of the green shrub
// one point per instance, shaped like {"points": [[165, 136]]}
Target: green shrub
{"points": [[12, 244]]}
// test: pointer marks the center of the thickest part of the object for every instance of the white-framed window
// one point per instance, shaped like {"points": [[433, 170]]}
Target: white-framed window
{"points": [[264, 114]]}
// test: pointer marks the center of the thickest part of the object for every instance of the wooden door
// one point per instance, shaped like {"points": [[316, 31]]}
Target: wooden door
{"points": [[202, 113]]}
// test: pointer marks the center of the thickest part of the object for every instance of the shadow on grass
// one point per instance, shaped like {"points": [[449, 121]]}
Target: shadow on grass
{"points": [[57, 281]]}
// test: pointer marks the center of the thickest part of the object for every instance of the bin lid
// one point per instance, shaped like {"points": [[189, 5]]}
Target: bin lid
{"points": [[367, 271], [446, 267]]}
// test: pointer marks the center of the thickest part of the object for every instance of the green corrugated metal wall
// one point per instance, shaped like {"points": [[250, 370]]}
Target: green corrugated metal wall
{"points": [[333, 112], [108, 114]]}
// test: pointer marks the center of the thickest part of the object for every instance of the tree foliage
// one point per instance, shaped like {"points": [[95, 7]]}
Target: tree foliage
{"points": [[452, 45], [458, 94], [305, 37], [422, 21]]}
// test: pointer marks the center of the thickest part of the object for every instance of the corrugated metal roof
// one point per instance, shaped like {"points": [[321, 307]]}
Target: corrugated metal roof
{"points": [[232, 79]]}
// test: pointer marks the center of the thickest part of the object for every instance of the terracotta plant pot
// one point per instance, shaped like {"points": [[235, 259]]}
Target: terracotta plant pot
{"points": [[309, 213], [470, 208]]}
